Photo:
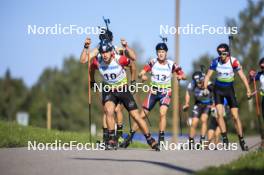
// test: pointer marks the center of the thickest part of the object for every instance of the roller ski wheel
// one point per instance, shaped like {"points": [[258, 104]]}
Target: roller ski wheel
{"points": [[243, 145], [111, 145], [153, 144], [126, 142]]}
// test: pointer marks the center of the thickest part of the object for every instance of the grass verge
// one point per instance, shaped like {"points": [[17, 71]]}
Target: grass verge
{"points": [[251, 163], [14, 135]]}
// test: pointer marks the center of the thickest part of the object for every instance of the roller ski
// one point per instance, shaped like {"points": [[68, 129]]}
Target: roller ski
{"points": [[111, 145], [243, 144], [153, 144], [127, 140]]}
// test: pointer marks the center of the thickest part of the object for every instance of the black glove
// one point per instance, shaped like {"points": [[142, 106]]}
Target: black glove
{"points": [[185, 108], [86, 46]]}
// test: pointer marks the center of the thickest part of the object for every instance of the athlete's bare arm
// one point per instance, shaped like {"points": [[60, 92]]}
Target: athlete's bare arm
{"points": [[245, 81], [142, 75], [187, 100], [133, 70], [130, 52], [93, 53], [207, 78]]}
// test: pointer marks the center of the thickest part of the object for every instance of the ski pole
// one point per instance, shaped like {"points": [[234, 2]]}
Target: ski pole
{"points": [[180, 120], [230, 39], [89, 92], [258, 111]]}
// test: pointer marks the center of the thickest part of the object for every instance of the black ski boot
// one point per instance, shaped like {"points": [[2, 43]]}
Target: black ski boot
{"points": [[225, 140], [152, 143], [127, 140], [111, 143], [119, 134], [105, 135], [161, 137], [202, 142], [191, 143], [242, 143]]}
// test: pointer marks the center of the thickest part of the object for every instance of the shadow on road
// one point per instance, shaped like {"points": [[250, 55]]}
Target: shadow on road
{"points": [[162, 164]]}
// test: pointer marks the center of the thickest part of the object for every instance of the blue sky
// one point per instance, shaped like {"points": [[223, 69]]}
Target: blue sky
{"points": [[138, 21]]}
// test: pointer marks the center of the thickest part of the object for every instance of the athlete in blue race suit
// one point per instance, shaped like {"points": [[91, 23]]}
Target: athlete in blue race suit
{"points": [[225, 67]]}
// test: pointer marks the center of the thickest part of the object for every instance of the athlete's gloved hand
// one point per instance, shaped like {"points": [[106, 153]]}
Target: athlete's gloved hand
{"points": [[249, 94], [185, 107], [213, 111], [206, 92], [87, 43], [124, 43], [144, 78], [180, 77], [189, 121], [252, 73]]}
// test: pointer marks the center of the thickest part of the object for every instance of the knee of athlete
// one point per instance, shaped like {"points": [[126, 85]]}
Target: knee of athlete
{"points": [[235, 115], [110, 112], [204, 121], [119, 114], [220, 113], [142, 115], [117, 110], [220, 119], [193, 125], [135, 114], [210, 135], [163, 114]]}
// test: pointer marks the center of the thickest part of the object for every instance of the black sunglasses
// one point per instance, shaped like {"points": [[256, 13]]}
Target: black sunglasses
{"points": [[223, 53]]}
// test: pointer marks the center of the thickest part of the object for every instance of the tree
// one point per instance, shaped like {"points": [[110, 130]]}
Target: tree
{"points": [[248, 47], [13, 93], [247, 44]]}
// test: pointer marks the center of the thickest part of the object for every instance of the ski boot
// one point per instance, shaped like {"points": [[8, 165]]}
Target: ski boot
{"points": [[152, 143], [111, 145], [225, 141], [161, 137], [127, 140], [191, 143], [243, 144]]}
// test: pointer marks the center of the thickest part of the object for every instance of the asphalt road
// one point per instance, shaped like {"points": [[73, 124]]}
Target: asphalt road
{"points": [[14, 161]]}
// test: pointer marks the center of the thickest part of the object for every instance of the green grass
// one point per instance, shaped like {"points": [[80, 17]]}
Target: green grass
{"points": [[14, 135], [251, 163]]}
